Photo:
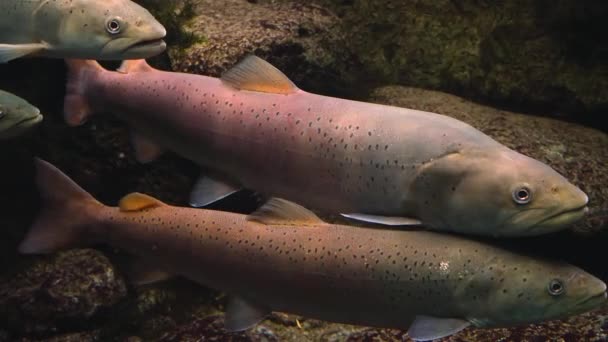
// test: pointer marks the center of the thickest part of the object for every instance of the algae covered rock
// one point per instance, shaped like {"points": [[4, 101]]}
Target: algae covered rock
{"points": [[577, 152], [302, 39], [547, 55], [63, 289], [212, 328]]}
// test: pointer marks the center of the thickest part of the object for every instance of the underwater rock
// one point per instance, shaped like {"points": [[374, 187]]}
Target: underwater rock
{"points": [[302, 39], [577, 152], [63, 289], [71, 337], [551, 55], [587, 327], [211, 328], [539, 55]]}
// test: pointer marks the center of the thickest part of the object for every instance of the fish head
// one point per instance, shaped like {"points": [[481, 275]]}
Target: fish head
{"points": [[500, 193], [16, 115], [527, 291], [111, 30]]}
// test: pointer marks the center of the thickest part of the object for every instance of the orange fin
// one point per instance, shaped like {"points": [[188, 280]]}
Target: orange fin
{"points": [[137, 202], [255, 74]]}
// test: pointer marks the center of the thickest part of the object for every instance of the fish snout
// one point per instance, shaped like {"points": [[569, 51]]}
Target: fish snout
{"points": [[581, 197], [593, 288], [158, 31]]}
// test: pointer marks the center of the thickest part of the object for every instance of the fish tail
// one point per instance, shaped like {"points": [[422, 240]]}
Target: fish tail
{"points": [[76, 107], [68, 213]]}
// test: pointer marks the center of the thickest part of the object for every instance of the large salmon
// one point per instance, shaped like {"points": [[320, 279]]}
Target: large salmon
{"points": [[284, 258], [371, 162]]}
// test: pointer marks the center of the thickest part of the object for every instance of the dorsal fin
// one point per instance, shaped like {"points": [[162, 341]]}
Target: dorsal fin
{"points": [[255, 74], [137, 201], [134, 65], [280, 211]]}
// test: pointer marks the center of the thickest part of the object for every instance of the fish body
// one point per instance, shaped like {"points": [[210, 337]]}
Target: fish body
{"points": [[283, 258], [16, 115], [114, 29], [372, 162]]}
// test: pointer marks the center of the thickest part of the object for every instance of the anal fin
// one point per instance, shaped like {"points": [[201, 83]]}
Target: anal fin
{"points": [[427, 328], [385, 220], [242, 315], [208, 190]]}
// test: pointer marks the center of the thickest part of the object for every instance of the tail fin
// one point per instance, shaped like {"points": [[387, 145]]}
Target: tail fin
{"points": [[66, 211], [76, 107]]}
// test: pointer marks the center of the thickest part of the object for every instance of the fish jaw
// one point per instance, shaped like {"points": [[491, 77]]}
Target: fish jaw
{"points": [[565, 216], [594, 302], [21, 127], [560, 221], [135, 48], [146, 48]]}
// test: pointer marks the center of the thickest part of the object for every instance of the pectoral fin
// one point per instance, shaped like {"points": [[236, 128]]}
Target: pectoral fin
{"points": [[242, 315], [8, 52], [385, 220], [208, 190], [427, 328], [145, 150]]}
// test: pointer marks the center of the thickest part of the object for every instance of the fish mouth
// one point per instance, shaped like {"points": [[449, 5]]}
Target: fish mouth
{"points": [[563, 218], [21, 127], [30, 121], [145, 48], [593, 301]]}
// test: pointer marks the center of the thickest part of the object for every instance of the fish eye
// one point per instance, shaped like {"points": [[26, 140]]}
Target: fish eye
{"points": [[556, 287], [522, 195], [113, 26]]}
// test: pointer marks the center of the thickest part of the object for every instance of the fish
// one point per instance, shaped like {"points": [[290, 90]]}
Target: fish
{"points": [[283, 258], [101, 30], [16, 115], [253, 129]]}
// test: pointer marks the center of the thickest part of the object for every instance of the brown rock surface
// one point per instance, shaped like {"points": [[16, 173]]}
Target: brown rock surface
{"points": [[300, 38]]}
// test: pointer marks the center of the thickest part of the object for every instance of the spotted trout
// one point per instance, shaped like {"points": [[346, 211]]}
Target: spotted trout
{"points": [[254, 129], [109, 29], [16, 115], [284, 258]]}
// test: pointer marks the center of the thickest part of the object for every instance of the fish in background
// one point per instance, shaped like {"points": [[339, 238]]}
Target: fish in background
{"points": [[102, 30], [395, 166], [284, 258], [16, 115]]}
